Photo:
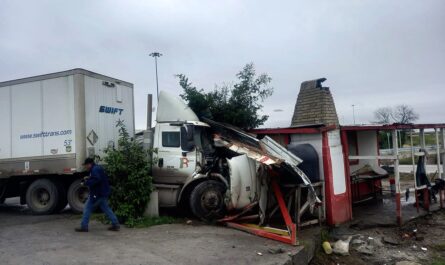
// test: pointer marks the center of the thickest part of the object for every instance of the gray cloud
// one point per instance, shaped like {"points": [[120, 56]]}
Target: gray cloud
{"points": [[374, 53]]}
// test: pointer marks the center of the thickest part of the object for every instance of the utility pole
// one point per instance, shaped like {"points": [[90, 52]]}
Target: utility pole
{"points": [[156, 55], [353, 113]]}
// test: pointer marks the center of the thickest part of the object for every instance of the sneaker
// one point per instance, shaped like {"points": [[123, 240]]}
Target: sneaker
{"points": [[81, 229], [114, 228]]}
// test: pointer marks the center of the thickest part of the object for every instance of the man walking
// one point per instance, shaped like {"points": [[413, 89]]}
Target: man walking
{"points": [[99, 187]]}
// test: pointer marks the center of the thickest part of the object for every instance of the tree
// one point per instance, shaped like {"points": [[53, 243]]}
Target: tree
{"points": [[404, 114], [237, 104], [383, 115]]}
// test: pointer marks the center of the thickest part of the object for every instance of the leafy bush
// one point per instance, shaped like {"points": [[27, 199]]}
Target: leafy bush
{"points": [[128, 167]]}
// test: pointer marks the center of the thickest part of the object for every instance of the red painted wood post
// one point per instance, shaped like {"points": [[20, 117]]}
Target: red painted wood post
{"points": [[426, 199], [441, 191]]}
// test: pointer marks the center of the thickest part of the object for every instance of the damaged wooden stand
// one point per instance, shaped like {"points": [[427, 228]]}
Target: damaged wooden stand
{"points": [[302, 209], [288, 236]]}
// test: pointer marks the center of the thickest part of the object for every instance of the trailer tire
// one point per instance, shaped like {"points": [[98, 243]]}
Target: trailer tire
{"points": [[2, 200], [42, 196], [63, 201], [207, 200], [77, 196]]}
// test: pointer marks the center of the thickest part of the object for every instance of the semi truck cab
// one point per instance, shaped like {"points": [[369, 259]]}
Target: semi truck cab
{"points": [[182, 152], [208, 167]]}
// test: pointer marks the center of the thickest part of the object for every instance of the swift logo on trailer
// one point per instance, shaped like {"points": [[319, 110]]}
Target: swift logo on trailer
{"points": [[110, 110]]}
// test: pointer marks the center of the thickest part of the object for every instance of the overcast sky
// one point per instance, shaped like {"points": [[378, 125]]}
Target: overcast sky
{"points": [[373, 53]]}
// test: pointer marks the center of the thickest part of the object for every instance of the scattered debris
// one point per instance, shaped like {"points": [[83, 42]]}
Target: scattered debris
{"points": [[376, 242], [259, 254], [189, 222], [405, 236], [358, 242], [405, 262], [275, 250], [327, 247], [341, 247], [365, 249], [418, 242], [419, 238], [391, 240]]}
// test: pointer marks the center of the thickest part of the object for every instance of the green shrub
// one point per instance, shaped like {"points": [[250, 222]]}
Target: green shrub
{"points": [[144, 222], [128, 167]]}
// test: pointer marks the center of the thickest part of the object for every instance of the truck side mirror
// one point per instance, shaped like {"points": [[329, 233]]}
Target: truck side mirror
{"points": [[187, 139]]}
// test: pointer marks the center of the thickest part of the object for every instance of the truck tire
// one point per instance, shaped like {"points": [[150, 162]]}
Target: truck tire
{"points": [[63, 201], [77, 196], [207, 200], [42, 196]]}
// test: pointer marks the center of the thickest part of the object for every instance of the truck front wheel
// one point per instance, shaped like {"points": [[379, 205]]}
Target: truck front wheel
{"points": [[77, 196], [207, 200], [42, 196]]}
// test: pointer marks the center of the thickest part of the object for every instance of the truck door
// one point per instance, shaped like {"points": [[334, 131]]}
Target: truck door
{"points": [[172, 164]]}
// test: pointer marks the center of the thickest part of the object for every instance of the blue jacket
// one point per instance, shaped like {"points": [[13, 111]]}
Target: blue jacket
{"points": [[98, 182]]}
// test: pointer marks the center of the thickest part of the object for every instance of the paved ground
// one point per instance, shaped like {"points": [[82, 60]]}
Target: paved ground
{"points": [[48, 240]]}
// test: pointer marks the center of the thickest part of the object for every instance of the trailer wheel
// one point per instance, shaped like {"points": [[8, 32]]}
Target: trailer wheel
{"points": [[207, 200], [77, 196], [42, 196]]}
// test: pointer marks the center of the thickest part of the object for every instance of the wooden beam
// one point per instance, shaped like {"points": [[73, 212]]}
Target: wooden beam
{"points": [[413, 161], [438, 153], [442, 137], [397, 176], [422, 138], [382, 157]]}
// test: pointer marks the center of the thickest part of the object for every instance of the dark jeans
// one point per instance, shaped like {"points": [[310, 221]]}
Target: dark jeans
{"points": [[91, 205]]}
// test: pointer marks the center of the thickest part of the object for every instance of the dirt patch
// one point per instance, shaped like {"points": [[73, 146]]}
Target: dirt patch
{"points": [[420, 241]]}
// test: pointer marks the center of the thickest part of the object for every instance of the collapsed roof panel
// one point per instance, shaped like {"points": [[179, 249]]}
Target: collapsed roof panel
{"points": [[265, 151]]}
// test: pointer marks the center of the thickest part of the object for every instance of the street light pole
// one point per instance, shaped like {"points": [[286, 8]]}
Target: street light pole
{"points": [[353, 113], [156, 55]]}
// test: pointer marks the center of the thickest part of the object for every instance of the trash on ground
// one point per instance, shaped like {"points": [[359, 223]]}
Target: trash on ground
{"points": [[341, 247], [327, 247]]}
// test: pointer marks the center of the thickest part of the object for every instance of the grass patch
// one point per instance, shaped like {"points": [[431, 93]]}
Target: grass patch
{"points": [[324, 235], [438, 261], [151, 221], [141, 222], [440, 246]]}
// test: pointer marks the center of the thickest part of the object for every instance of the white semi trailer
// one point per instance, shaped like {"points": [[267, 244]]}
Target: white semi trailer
{"points": [[49, 125]]}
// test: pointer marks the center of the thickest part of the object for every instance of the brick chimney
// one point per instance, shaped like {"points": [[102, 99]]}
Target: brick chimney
{"points": [[315, 105]]}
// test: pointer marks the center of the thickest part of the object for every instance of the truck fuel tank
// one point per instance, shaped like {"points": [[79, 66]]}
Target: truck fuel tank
{"points": [[244, 186]]}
